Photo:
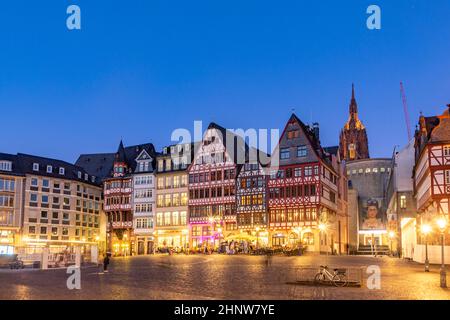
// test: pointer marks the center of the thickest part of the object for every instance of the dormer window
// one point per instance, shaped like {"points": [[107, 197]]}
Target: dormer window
{"points": [[93, 179], [49, 169], [172, 149], [165, 150], [5, 165], [35, 166], [86, 177], [62, 171], [79, 174]]}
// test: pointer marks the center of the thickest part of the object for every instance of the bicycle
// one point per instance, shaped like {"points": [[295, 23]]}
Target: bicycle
{"points": [[338, 277]]}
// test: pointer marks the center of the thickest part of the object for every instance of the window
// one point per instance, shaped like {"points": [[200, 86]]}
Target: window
{"points": [[168, 164], [183, 217], [308, 171], [62, 171], [447, 176], [43, 230], [301, 151], [6, 185], [45, 183], [284, 153], [184, 199], [35, 166], [32, 229], [79, 174], [167, 218], [5, 166], [34, 182], [447, 150], [292, 134], [49, 169], [402, 202], [44, 199], [167, 200], [175, 217], [33, 197]]}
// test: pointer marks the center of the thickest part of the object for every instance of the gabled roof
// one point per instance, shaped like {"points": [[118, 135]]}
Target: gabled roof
{"points": [[432, 129], [102, 163], [311, 137]]}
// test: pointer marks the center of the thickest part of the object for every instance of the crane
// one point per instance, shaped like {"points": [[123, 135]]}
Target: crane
{"points": [[405, 110]]}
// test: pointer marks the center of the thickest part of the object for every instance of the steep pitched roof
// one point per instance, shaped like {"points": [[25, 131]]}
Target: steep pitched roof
{"points": [[101, 164], [311, 137]]}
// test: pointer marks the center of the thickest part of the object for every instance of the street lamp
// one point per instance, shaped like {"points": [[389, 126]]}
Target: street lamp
{"points": [[442, 224], [322, 228], [391, 238], [257, 236], [426, 229]]}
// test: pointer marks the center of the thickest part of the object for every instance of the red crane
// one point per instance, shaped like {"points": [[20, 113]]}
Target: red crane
{"points": [[405, 110]]}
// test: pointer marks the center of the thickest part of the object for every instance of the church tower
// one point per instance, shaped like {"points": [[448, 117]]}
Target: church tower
{"points": [[353, 144]]}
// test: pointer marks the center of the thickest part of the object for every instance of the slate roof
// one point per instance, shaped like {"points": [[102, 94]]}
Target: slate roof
{"points": [[432, 129], [101, 164], [23, 165]]}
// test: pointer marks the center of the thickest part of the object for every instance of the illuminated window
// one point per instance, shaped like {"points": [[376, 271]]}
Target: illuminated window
{"points": [[403, 202]]}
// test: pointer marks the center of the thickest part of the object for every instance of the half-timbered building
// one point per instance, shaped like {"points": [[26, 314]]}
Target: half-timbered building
{"points": [[303, 190], [212, 187], [252, 199], [432, 172], [118, 198]]}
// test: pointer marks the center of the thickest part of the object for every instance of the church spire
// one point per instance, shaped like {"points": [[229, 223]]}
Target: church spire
{"points": [[353, 143], [353, 108]]}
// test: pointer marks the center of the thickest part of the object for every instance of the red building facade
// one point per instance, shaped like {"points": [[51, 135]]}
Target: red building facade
{"points": [[303, 191], [212, 189]]}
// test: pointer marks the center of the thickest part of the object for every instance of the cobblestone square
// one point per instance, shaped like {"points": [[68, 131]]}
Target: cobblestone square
{"points": [[221, 277]]}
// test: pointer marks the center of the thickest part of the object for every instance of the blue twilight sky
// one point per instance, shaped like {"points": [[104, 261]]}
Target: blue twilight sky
{"points": [[140, 68]]}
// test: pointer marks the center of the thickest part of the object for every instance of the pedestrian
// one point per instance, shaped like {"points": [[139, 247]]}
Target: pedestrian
{"points": [[106, 262]]}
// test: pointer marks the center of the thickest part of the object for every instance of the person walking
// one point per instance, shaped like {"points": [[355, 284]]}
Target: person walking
{"points": [[106, 262]]}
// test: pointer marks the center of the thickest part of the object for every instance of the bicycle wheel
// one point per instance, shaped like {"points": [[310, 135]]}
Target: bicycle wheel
{"points": [[318, 279], [339, 280]]}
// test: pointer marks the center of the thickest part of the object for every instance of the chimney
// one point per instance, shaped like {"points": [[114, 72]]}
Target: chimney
{"points": [[316, 131]]}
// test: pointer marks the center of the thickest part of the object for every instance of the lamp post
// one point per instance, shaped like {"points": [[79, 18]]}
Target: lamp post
{"points": [[391, 238], [257, 237], [322, 228], [442, 224], [426, 230]]}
